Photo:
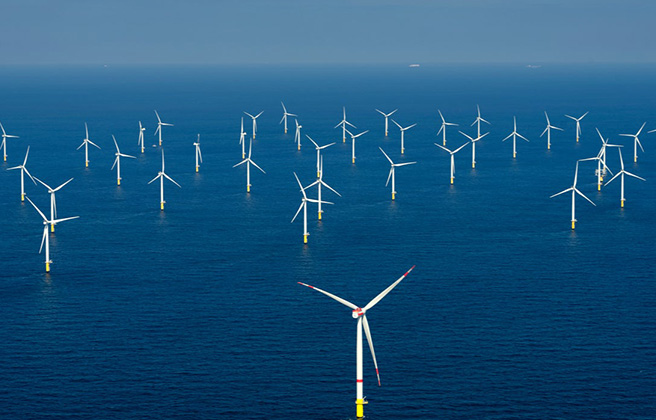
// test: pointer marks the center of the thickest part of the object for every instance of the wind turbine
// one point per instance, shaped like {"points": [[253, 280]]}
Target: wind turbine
{"points": [[360, 314], [443, 128], [623, 172], [248, 163], [386, 118], [636, 142], [23, 172], [303, 206], [86, 143], [601, 160], [319, 148], [53, 201], [575, 191], [285, 114], [297, 136], [199, 156], [5, 136], [392, 172], [141, 136], [242, 139], [319, 182], [473, 142], [343, 123], [478, 121], [453, 162], [159, 127], [578, 124], [402, 132], [548, 130], [46, 238], [254, 118], [514, 136], [161, 175], [117, 161], [353, 137]]}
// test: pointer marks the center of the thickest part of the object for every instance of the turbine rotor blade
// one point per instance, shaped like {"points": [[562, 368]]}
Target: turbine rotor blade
{"points": [[384, 293], [330, 295], [367, 333]]}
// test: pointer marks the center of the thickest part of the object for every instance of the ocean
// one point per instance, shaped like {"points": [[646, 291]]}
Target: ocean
{"points": [[195, 312]]}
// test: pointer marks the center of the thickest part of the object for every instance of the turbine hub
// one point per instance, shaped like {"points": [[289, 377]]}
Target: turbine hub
{"points": [[357, 312]]}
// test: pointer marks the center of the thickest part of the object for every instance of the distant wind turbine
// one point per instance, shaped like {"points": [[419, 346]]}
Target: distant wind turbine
{"points": [[578, 124], [478, 121], [453, 162], [443, 127], [514, 136], [353, 137], [53, 201], [140, 141], [285, 114], [574, 191], [297, 136], [199, 156], [303, 207], [601, 160], [622, 173], [161, 175], [248, 163], [636, 142], [117, 161], [319, 182], [392, 172], [254, 118], [343, 124], [402, 132], [319, 149], [24, 171], [548, 130], [386, 119], [86, 142], [473, 142], [242, 139], [5, 136], [159, 127]]}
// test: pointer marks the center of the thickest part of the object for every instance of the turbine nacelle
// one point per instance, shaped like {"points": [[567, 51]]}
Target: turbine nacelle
{"points": [[357, 312]]}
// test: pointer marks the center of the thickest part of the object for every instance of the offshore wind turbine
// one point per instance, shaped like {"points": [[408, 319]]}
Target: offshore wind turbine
{"points": [[242, 139], [248, 163], [636, 142], [478, 121], [353, 137], [578, 124], [159, 127], [601, 160], [473, 142], [575, 191], [53, 201], [360, 314], [453, 162], [285, 114], [514, 136], [443, 127], [117, 161], [303, 206], [140, 141], [386, 119], [199, 156], [319, 149], [402, 132], [254, 118], [297, 136], [392, 172], [548, 130], [161, 175], [623, 172], [319, 182], [86, 142], [5, 136], [343, 123], [24, 171]]}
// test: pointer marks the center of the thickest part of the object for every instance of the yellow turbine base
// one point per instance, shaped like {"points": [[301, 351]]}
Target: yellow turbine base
{"points": [[343, 141], [473, 165], [196, 168], [598, 187], [402, 150], [248, 188], [305, 239], [5, 158], [285, 131], [359, 408], [52, 228], [47, 267], [514, 155], [573, 222], [86, 164], [451, 181], [548, 147], [161, 205], [386, 134], [160, 142], [243, 155], [353, 160], [318, 174], [622, 203], [22, 197], [142, 150], [393, 196], [299, 146], [635, 159], [118, 182], [577, 139], [319, 215]]}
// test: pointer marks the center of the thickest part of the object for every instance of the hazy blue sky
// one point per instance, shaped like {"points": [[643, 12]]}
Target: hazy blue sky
{"points": [[337, 31]]}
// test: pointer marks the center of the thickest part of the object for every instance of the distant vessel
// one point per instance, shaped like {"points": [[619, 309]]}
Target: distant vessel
{"points": [[533, 66], [413, 65]]}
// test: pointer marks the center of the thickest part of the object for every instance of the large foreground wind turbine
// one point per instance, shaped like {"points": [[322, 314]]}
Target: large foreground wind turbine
{"points": [[140, 141], [343, 124], [24, 171], [117, 161], [53, 201], [622, 172], [319, 182], [5, 136], [353, 137], [473, 142], [548, 130], [161, 175], [360, 314], [254, 118], [478, 121], [453, 161], [199, 156], [285, 114], [86, 142], [303, 206], [578, 124], [392, 172], [636, 142], [443, 127], [319, 149], [159, 127], [386, 119], [402, 132], [514, 136], [248, 163], [574, 191]]}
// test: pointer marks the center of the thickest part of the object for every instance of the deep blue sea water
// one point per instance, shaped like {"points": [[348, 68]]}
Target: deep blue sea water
{"points": [[195, 312]]}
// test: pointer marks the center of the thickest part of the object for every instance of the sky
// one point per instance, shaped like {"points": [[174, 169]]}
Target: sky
{"points": [[235, 32]]}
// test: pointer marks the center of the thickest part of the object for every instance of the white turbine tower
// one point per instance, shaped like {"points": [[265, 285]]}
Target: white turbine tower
{"points": [[453, 162], [140, 141], [473, 142], [297, 136], [319, 149], [159, 127], [343, 124], [402, 132], [285, 114], [578, 124], [574, 191], [478, 121], [242, 139], [636, 142], [5, 136], [248, 163], [24, 171], [623, 172], [86, 142], [53, 201], [360, 314], [161, 175], [386, 119], [443, 128], [392, 172], [319, 182], [514, 136], [46, 238], [548, 130], [254, 118], [601, 160], [117, 161], [199, 156], [303, 206], [353, 137]]}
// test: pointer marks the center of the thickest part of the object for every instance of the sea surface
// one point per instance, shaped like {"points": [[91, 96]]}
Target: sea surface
{"points": [[195, 312]]}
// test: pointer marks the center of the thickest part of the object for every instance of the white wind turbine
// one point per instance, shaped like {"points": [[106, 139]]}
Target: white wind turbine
{"points": [[117, 161], [5, 136], [319, 149], [402, 132], [392, 172], [453, 161], [578, 124], [443, 128], [319, 182], [199, 156], [343, 123], [254, 118], [303, 206], [161, 175], [473, 142], [86, 142], [386, 119], [285, 114], [623, 172], [248, 163], [23, 172], [360, 314], [478, 121], [636, 142], [514, 136], [53, 201], [140, 141], [601, 160], [575, 191], [353, 137], [297, 136], [159, 127], [548, 130], [242, 139], [46, 238]]}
